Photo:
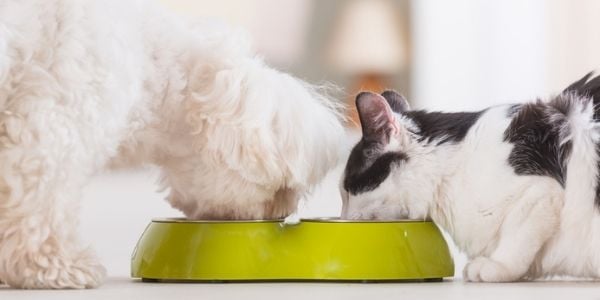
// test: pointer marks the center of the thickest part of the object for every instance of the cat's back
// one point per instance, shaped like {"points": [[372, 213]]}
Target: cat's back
{"points": [[531, 138], [480, 159]]}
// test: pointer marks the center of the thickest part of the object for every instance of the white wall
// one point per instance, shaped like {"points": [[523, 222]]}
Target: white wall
{"points": [[470, 54], [574, 40], [278, 27]]}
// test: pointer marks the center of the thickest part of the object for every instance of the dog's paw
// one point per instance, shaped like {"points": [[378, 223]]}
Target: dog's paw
{"points": [[56, 272], [483, 269]]}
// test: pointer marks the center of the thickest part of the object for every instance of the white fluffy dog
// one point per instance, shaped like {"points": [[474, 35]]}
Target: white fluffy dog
{"points": [[87, 84]]}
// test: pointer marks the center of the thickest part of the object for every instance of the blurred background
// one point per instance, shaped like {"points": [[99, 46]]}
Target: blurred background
{"points": [[442, 55]]}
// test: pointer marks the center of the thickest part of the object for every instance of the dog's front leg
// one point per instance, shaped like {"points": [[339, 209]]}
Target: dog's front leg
{"points": [[45, 158]]}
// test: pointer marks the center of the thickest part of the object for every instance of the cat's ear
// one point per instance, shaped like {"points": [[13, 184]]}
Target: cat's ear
{"points": [[396, 101], [376, 117]]}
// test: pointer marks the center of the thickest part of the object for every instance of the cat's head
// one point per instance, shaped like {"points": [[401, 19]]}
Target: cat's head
{"points": [[367, 188]]}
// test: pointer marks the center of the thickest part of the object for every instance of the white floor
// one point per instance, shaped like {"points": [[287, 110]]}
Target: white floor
{"points": [[125, 288]]}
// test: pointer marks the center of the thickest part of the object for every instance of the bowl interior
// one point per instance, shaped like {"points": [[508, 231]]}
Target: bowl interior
{"points": [[311, 220]]}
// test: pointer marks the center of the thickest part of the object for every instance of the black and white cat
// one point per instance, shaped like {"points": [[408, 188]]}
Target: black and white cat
{"points": [[516, 186]]}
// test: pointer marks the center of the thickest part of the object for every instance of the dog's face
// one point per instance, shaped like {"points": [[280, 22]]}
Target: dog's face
{"points": [[259, 141], [369, 187], [204, 188]]}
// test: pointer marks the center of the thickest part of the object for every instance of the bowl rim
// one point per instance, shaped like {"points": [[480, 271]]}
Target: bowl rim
{"points": [[322, 220]]}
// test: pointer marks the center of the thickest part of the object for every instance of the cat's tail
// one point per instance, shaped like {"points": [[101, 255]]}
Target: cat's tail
{"points": [[582, 184]]}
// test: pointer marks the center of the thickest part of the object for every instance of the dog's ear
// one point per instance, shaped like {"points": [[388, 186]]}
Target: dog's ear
{"points": [[376, 117], [396, 101]]}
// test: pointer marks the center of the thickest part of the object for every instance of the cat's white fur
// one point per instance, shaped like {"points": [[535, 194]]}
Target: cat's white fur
{"points": [[86, 84], [511, 227]]}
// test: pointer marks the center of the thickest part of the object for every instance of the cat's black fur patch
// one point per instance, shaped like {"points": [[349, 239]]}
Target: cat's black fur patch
{"points": [[366, 169], [443, 127], [535, 132]]}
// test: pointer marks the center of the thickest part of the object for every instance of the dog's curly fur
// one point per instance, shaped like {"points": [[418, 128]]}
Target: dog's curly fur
{"points": [[88, 84]]}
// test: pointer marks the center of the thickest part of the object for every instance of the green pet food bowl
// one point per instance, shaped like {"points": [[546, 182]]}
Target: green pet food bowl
{"points": [[313, 250]]}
